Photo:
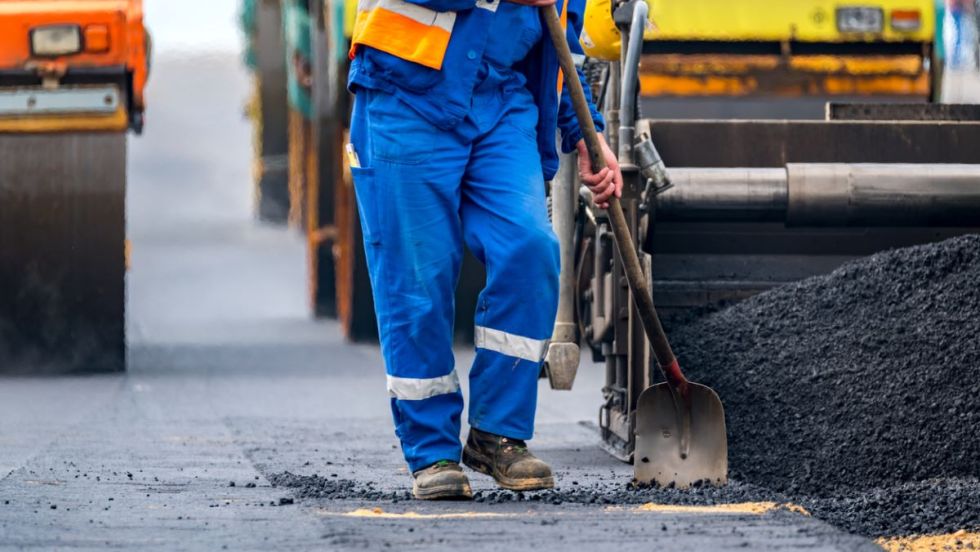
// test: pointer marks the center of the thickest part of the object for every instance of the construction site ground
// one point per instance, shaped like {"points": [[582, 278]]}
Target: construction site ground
{"points": [[242, 424]]}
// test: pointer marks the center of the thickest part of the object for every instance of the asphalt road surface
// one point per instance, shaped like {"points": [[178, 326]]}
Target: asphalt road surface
{"points": [[231, 384]]}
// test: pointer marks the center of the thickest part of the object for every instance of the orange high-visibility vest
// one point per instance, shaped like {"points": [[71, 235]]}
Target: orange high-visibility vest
{"points": [[403, 29]]}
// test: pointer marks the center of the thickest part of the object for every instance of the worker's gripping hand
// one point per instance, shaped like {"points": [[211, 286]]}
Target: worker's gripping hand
{"points": [[605, 183], [535, 3]]}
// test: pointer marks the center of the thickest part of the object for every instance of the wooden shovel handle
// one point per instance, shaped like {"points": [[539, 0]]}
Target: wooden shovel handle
{"points": [[631, 261]]}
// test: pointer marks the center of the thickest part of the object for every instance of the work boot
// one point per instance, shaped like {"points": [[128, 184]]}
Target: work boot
{"points": [[443, 480], [506, 460]]}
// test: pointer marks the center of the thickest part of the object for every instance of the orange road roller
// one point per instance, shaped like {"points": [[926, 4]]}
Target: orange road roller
{"points": [[72, 80]]}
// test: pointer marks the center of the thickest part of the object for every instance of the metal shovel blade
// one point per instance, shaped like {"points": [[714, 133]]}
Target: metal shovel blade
{"points": [[680, 447]]}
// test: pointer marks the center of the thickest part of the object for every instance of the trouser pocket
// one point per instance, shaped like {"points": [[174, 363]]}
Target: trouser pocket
{"points": [[368, 204]]}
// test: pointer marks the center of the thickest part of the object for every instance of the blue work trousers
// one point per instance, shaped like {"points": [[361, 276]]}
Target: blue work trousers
{"points": [[422, 192]]}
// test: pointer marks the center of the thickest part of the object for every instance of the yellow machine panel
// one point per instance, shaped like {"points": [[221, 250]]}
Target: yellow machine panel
{"points": [[777, 47], [792, 20]]}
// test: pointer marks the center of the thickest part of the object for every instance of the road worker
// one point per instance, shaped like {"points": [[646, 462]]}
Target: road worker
{"points": [[453, 136]]}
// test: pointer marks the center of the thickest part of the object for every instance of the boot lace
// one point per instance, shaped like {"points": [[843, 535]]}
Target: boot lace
{"points": [[511, 445]]}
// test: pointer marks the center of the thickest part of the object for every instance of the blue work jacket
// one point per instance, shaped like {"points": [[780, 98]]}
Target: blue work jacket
{"points": [[443, 96]]}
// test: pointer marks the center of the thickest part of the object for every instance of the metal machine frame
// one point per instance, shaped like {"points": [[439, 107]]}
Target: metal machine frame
{"points": [[752, 205]]}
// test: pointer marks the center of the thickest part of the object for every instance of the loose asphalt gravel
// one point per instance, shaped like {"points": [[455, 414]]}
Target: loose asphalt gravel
{"points": [[853, 394]]}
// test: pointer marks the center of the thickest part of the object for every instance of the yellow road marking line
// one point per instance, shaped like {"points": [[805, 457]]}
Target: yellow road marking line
{"points": [[381, 514], [756, 508], [960, 540], [752, 508]]}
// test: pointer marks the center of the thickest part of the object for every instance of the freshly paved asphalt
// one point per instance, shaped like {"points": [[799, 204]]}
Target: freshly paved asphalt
{"points": [[230, 381]]}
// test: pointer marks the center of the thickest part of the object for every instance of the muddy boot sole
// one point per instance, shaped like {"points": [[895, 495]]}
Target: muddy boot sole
{"points": [[443, 492], [478, 462]]}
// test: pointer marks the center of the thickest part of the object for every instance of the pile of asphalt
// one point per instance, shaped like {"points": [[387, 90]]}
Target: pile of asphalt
{"points": [[865, 377], [926, 507], [861, 380]]}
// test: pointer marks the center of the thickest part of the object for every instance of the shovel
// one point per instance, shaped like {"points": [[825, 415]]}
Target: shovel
{"points": [[680, 425]]}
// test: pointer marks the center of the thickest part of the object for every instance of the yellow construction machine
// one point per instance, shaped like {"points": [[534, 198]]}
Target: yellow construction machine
{"points": [[72, 78], [743, 48]]}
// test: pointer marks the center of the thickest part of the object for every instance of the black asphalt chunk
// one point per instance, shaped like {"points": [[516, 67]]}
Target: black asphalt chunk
{"points": [[928, 507], [332, 488]]}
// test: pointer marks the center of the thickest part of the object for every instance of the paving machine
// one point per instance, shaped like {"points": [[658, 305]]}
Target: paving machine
{"points": [[720, 210], [772, 59], [72, 77]]}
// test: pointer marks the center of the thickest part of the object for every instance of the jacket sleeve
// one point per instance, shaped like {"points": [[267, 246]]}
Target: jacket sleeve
{"points": [[445, 5], [571, 133]]}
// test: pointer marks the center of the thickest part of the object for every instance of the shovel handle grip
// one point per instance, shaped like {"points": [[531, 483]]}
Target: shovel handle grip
{"points": [[621, 231]]}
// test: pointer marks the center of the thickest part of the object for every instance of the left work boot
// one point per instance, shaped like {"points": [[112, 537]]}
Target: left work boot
{"points": [[507, 461], [443, 480]]}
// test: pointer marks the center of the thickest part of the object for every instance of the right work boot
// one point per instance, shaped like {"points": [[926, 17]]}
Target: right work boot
{"points": [[507, 461], [443, 480]]}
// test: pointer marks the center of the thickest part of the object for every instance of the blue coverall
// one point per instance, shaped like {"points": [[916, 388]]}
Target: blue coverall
{"points": [[423, 190]]}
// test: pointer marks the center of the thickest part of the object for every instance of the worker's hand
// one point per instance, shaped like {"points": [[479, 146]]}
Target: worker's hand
{"points": [[534, 3], [607, 182]]}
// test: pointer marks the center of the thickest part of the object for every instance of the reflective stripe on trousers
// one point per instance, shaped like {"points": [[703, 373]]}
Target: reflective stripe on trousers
{"points": [[422, 193], [419, 389], [516, 346]]}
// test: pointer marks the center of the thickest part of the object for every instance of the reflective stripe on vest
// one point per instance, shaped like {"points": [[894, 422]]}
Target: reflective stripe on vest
{"points": [[405, 30]]}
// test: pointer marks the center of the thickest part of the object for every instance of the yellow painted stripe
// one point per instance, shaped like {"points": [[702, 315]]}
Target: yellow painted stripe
{"points": [[755, 508], [960, 540], [378, 513], [744, 508]]}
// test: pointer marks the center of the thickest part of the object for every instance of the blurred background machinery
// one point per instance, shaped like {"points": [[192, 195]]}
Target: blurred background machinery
{"points": [[298, 50], [72, 76]]}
